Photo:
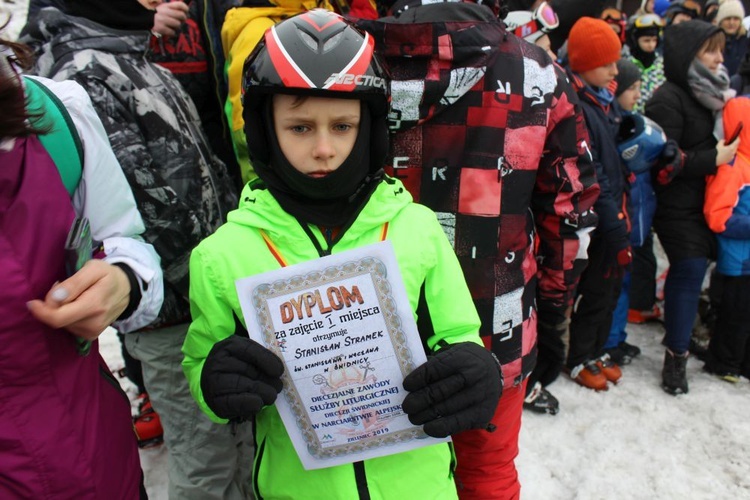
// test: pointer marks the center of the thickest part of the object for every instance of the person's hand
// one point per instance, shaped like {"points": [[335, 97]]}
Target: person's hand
{"points": [[725, 152], [670, 163], [87, 302], [240, 377], [457, 389], [618, 259], [169, 17]]}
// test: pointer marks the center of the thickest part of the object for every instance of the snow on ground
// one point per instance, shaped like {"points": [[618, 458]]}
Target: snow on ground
{"points": [[153, 460], [635, 441], [631, 442]]}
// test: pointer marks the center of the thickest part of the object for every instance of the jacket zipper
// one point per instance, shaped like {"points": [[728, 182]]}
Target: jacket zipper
{"points": [[256, 466], [360, 477], [113, 382]]}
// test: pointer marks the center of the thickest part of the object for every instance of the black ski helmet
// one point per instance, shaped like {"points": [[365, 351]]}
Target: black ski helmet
{"points": [[316, 53]]}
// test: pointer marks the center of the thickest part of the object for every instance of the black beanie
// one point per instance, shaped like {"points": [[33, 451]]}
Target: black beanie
{"points": [[568, 12], [627, 74], [118, 14]]}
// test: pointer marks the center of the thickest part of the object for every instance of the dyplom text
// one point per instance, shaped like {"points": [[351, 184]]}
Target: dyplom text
{"points": [[323, 301]]}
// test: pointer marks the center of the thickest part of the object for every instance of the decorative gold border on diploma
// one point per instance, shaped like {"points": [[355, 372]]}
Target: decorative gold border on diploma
{"points": [[378, 272]]}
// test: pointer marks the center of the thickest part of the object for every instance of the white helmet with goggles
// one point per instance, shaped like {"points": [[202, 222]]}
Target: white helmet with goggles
{"points": [[532, 25]]}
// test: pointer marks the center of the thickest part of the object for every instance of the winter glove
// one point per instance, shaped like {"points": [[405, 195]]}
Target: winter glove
{"points": [[457, 389], [618, 259], [670, 162], [240, 377]]}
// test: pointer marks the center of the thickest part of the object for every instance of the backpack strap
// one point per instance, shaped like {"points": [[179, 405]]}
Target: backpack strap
{"points": [[61, 141]]}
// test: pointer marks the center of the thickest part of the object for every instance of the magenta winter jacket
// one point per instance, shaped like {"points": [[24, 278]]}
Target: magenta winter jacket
{"points": [[65, 427]]}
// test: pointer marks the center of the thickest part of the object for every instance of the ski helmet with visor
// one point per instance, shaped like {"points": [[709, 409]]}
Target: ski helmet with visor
{"points": [[318, 54]]}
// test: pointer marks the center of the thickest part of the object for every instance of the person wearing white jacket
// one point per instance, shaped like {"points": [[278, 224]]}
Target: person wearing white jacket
{"points": [[104, 197], [65, 424]]}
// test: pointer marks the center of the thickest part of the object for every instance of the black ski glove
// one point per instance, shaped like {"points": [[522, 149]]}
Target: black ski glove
{"points": [[457, 389], [240, 377], [670, 163], [619, 258]]}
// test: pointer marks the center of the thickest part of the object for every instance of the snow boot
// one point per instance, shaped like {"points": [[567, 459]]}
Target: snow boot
{"points": [[726, 375], [147, 424], [589, 375], [630, 350], [609, 368], [698, 348], [540, 400], [673, 375], [640, 317], [618, 355]]}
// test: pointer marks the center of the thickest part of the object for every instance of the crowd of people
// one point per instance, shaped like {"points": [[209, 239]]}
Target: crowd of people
{"points": [[523, 158]]}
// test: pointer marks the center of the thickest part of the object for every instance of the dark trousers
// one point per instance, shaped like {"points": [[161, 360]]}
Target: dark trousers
{"points": [[550, 357], [596, 299], [133, 369], [681, 295], [709, 314], [643, 276], [729, 350]]}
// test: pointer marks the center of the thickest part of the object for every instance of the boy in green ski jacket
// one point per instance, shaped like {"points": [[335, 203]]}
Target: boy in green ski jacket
{"points": [[315, 110]]}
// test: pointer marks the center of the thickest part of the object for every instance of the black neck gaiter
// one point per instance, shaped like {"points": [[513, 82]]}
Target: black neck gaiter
{"points": [[646, 58], [329, 201], [118, 14]]}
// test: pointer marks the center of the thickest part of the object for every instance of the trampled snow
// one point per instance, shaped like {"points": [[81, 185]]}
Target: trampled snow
{"points": [[632, 442]]}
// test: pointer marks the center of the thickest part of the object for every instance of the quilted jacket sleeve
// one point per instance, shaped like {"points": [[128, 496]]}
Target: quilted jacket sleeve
{"points": [[666, 109], [565, 192], [213, 320]]}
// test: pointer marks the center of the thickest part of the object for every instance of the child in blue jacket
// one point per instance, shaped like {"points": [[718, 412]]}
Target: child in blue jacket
{"points": [[631, 142]]}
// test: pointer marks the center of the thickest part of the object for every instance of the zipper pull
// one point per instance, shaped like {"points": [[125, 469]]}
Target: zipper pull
{"points": [[328, 235]]}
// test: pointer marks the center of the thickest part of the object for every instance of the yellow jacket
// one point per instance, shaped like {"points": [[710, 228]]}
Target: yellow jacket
{"points": [[243, 27]]}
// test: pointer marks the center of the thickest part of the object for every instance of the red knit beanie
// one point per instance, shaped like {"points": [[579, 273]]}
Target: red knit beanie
{"points": [[592, 43]]}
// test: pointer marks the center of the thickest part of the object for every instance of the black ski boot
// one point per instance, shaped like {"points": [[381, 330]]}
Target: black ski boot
{"points": [[540, 400], [618, 355], [630, 350], [673, 376]]}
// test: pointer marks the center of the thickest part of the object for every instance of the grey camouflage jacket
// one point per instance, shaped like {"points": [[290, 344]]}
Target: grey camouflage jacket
{"points": [[182, 190]]}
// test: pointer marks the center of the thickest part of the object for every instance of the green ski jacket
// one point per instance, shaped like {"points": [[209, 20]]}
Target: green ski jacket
{"points": [[431, 275]]}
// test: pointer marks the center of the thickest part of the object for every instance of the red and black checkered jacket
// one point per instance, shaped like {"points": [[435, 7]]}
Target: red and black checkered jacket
{"points": [[490, 135]]}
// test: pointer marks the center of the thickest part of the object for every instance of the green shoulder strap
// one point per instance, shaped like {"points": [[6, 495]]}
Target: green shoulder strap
{"points": [[61, 141]]}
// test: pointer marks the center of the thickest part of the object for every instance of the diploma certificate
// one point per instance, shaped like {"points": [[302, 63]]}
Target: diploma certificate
{"points": [[344, 328]]}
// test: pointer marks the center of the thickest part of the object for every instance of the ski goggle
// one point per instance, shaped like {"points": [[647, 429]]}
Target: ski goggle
{"points": [[612, 14], [648, 21], [615, 18], [547, 17], [531, 26]]}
